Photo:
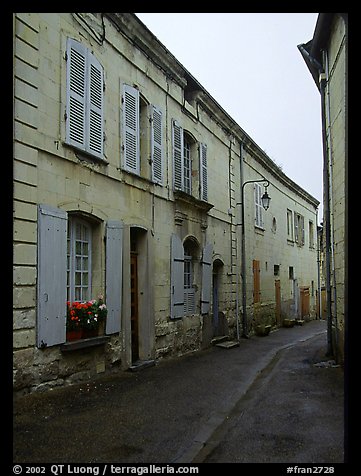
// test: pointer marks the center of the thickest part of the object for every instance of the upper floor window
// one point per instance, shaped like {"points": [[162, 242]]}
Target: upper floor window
{"points": [[289, 225], [299, 229], [258, 218], [142, 136], [189, 163], [311, 234], [84, 100]]}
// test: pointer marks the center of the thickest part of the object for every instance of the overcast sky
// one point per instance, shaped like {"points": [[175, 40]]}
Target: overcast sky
{"points": [[250, 64]]}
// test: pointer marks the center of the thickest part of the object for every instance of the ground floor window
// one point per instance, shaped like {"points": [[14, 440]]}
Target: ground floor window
{"points": [[78, 260]]}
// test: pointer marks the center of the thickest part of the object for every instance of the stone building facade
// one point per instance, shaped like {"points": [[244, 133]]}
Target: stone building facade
{"points": [[326, 56], [127, 184]]}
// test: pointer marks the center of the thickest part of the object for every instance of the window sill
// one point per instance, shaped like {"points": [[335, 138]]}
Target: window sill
{"points": [[84, 343], [190, 200], [259, 230]]}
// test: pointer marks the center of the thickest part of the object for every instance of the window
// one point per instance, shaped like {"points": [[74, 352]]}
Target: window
{"points": [[299, 229], [258, 205], [142, 143], [290, 272], [191, 278], [84, 105], [276, 270], [189, 163], [311, 234], [78, 261], [189, 291], [289, 225]]}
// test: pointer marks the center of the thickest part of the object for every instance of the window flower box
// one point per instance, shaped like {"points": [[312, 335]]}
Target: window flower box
{"points": [[84, 319]]}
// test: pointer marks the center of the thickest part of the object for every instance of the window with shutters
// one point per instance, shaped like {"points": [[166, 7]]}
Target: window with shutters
{"points": [[258, 219], [299, 223], [142, 141], [85, 100], [71, 248], [189, 163]]}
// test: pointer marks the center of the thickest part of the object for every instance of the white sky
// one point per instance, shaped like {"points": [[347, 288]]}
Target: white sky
{"points": [[250, 64]]}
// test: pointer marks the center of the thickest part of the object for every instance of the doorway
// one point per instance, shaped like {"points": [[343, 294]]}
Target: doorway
{"points": [[134, 305], [217, 321], [278, 302]]}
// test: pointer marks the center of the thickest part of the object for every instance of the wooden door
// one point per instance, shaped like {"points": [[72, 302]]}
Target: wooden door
{"points": [[305, 301], [134, 305], [278, 301], [256, 281]]}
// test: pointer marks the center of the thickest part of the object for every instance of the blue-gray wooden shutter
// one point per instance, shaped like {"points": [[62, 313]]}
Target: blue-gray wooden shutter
{"points": [[51, 276], [114, 275], [203, 171], [177, 148], [84, 105], [95, 115], [206, 278], [131, 137], [76, 93], [157, 145], [177, 277]]}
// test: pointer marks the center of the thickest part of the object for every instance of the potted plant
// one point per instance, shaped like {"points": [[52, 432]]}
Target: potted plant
{"points": [[85, 317]]}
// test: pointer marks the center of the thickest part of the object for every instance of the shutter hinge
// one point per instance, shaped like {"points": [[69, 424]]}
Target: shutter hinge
{"points": [[66, 56]]}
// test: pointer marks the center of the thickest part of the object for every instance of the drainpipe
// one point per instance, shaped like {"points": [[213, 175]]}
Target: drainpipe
{"points": [[243, 251], [318, 270]]}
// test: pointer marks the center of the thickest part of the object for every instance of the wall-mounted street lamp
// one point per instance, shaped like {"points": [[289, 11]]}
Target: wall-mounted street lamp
{"points": [[265, 199]]}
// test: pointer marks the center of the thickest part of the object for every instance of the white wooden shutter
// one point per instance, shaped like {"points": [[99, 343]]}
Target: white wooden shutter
{"points": [[177, 144], [95, 116], [131, 129], [203, 171], [157, 145], [51, 276], [206, 278], [177, 277], [114, 275], [76, 93]]}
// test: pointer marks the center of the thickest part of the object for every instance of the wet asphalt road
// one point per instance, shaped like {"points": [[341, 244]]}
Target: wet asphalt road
{"points": [[260, 402], [293, 412]]}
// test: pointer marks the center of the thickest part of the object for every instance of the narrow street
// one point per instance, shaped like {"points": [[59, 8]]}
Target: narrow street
{"points": [[263, 401], [293, 412]]}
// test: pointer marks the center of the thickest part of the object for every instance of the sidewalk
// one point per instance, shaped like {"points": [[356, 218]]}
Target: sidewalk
{"points": [[162, 414]]}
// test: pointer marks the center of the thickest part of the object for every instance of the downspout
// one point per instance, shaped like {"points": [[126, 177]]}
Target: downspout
{"points": [[243, 253], [318, 270]]}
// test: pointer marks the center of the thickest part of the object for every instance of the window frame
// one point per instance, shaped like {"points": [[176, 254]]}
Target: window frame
{"points": [[299, 226], [72, 255], [290, 227], [258, 211]]}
